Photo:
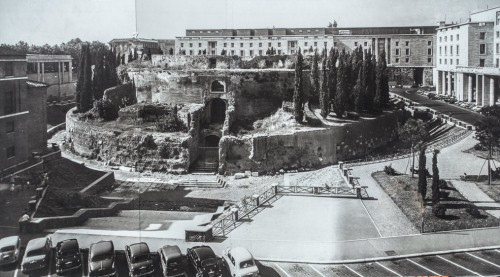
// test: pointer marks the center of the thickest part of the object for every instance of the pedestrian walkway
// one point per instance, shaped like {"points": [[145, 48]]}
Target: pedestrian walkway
{"points": [[475, 195]]}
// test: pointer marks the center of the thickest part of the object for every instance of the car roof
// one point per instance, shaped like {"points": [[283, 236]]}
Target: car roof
{"points": [[68, 245], [8, 241], [101, 247], [171, 251], [240, 254], [36, 244], [138, 248], [203, 252]]}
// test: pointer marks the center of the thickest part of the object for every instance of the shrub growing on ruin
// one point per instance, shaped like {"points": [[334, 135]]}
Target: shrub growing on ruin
{"points": [[170, 123], [106, 110]]}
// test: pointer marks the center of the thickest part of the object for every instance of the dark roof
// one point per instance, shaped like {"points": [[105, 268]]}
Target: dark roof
{"points": [[171, 251], [204, 252], [36, 84], [101, 248], [70, 245], [38, 243], [140, 248]]}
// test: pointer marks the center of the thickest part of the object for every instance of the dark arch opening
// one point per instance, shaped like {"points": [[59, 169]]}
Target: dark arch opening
{"points": [[217, 86], [217, 111], [212, 141]]}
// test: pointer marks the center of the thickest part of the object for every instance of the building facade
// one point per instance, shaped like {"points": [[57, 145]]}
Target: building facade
{"points": [[23, 114], [410, 50], [467, 65], [125, 46]]}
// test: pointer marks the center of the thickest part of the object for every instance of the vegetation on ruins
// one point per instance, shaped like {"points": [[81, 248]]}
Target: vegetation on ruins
{"points": [[298, 94]]}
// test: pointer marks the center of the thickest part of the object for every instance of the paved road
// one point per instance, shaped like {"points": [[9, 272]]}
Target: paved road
{"points": [[476, 263], [457, 112]]}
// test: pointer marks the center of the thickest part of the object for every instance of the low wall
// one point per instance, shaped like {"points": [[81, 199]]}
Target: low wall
{"points": [[56, 112], [37, 225], [52, 131], [29, 167], [103, 183]]}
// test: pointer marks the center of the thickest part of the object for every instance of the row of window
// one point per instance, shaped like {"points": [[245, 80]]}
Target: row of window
{"points": [[451, 37], [451, 61], [407, 60], [451, 50]]}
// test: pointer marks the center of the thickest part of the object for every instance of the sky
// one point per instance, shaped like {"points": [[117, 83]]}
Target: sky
{"points": [[55, 21]]}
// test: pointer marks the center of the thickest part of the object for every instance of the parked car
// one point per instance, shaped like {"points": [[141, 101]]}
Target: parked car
{"points": [[68, 256], [102, 259], [37, 255], [240, 262], [139, 260], [432, 96], [172, 261], [9, 250], [204, 261]]}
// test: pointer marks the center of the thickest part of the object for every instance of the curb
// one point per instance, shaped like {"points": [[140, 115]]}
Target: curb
{"points": [[378, 259]]}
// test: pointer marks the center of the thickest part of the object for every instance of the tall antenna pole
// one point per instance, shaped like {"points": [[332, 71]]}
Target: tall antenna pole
{"points": [[136, 33]]}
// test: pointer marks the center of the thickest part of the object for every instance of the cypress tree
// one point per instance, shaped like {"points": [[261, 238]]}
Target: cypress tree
{"points": [[110, 68], [435, 177], [130, 57], [341, 86], [315, 79], [382, 86], [359, 91], [332, 76], [135, 54], [324, 101], [84, 95], [99, 76], [298, 96], [370, 80], [422, 173]]}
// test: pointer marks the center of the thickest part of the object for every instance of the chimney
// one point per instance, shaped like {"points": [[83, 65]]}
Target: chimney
{"points": [[442, 23]]}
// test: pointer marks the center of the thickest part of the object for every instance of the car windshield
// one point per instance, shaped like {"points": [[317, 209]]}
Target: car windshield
{"points": [[141, 258], [100, 258], [246, 264], [7, 248], [209, 262], [68, 253], [36, 252]]}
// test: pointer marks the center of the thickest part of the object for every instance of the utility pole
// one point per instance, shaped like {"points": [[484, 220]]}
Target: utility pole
{"points": [[413, 159]]}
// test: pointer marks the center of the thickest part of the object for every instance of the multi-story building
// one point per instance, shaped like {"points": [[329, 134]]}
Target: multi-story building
{"points": [[410, 50], [23, 114], [126, 46], [467, 64]]}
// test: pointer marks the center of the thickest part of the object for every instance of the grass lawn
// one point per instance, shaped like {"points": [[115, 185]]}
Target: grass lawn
{"points": [[403, 191]]}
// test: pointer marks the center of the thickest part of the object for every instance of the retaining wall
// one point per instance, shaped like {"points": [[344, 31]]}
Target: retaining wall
{"points": [[103, 183]]}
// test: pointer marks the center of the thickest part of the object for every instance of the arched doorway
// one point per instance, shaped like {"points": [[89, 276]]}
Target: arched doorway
{"points": [[218, 86], [217, 111], [212, 141]]}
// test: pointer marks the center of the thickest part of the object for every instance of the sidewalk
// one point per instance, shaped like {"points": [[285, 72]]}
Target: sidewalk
{"points": [[470, 191]]}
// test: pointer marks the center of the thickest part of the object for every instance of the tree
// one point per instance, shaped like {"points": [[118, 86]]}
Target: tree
{"points": [[110, 70], [488, 131], [298, 94], [135, 54], [435, 177], [99, 78], [413, 131], [171, 51], [84, 97], [382, 83], [359, 91], [130, 57], [422, 172], [315, 79], [342, 86], [369, 67], [324, 101], [332, 76]]}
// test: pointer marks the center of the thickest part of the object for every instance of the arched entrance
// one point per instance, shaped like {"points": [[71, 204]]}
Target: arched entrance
{"points": [[212, 141], [217, 111]]}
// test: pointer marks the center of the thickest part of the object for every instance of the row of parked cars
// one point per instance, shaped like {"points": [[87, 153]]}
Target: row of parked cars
{"points": [[451, 100], [101, 258]]}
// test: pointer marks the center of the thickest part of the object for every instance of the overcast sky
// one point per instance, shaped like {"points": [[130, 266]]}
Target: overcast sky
{"points": [[56, 21]]}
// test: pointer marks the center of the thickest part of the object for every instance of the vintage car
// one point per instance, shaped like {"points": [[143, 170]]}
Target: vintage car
{"points": [[172, 261], [240, 262], [9, 250], [102, 259], [204, 261], [37, 255], [68, 256], [139, 260]]}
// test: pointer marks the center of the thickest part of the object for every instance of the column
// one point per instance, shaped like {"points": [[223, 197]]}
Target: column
{"points": [[461, 87], [479, 90], [386, 49], [492, 91], [470, 97], [59, 79], [38, 71], [438, 81], [443, 83], [456, 83], [486, 90], [43, 72], [70, 71], [449, 84], [376, 49]]}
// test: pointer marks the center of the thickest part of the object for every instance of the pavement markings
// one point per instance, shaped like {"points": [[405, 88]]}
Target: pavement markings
{"points": [[497, 250], [371, 218], [417, 264], [390, 270], [282, 270], [353, 271], [481, 259], [462, 267], [317, 271], [15, 272]]}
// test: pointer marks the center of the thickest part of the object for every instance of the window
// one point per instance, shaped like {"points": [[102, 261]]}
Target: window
{"points": [[232, 53], [429, 51], [482, 49], [355, 43], [11, 152], [199, 52], [191, 52], [242, 53], [9, 105], [458, 37], [407, 60], [445, 61], [445, 38], [241, 44], [366, 43], [397, 52], [251, 53], [9, 127], [481, 62], [458, 61], [279, 44], [451, 37], [182, 44], [497, 63], [199, 44], [251, 45], [292, 52], [482, 35], [190, 45], [225, 44], [292, 44], [440, 39], [446, 50], [440, 62], [429, 42], [334, 44], [269, 44], [232, 44], [315, 43], [9, 69], [407, 43], [305, 43], [213, 52], [497, 48], [407, 52], [260, 52], [451, 61], [451, 49], [457, 50], [429, 60], [397, 60], [260, 44], [498, 34], [397, 43], [440, 52], [279, 51]]}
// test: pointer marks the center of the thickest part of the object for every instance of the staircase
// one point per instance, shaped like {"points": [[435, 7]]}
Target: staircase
{"points": [[204, 166]]}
